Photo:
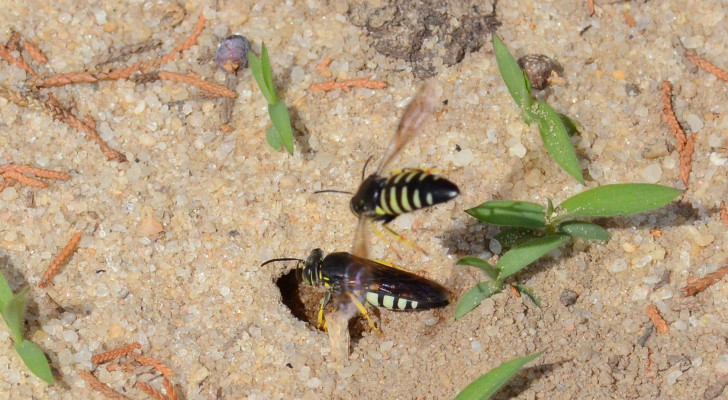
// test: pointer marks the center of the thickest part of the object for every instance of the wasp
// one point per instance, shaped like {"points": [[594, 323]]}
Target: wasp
{"points": [[360, 280], [383, 198]]}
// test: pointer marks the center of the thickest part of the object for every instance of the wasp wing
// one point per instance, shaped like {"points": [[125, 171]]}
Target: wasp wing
{"points": [[391, 284], [360, 248], [422, 106]]}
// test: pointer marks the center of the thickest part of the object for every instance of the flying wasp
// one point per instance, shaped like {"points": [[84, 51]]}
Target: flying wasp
{"points": [[383, 198], [358, 280]]}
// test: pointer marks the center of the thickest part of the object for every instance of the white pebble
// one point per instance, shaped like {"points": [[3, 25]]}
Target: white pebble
{"points": [[297, 74], [313, 383], [495, 247], [640, 293], [70, 336], [99, 15], [147, 140], [716, 159], [404, 222], [722, 365], [463, 158], [618, 265], [652, 173], [476, 346], [672, 376], [224, 290], [694, 121], [9, 194], [517, 150]]}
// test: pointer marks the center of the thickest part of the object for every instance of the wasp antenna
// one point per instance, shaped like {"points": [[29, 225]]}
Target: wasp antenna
{"points": [[281, 259], [364, 170], [332, 191]]}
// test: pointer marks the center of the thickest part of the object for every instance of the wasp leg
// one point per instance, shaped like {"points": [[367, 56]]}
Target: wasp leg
{"points": [[364, 312], [321, 324], [395, 266], [396, 236]]}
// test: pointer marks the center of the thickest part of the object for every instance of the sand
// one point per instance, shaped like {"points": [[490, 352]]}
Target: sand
{"points": [[195, 296]]}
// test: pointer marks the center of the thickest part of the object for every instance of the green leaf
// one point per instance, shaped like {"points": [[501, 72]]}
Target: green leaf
{"points": [[485, 266], [256, 68], [282, 121], [618, 199], [512, 74], [13, 314], [523, 289], [518, 258], [571, 127], [273, 138], [475, 296], [515, 236], [486, 385], [556, 139], [35, 360], [5, 292], [584, 229], [267, 73], [510, 213]]}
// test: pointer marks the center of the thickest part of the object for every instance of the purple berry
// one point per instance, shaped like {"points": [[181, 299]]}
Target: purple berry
{"points": [[232, 53]]}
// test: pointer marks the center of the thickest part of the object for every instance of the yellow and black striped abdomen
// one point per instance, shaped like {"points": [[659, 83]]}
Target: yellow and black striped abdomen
{"points": [[411, 190]]}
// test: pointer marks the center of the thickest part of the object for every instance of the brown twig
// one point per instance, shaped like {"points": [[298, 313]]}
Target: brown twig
{"points": [[60, 260], [34, 52], [724, 213], [39, 172], [349, 83], [706, 65], [6, 183], [697, 285], [115, 353], [158, 364], [18, 62], [590, 6], [25, 180], [169, 388], [323, 65], [657, 319], [195, 80], [685, 145], [151, 391], [101, 387], [53, 108]]}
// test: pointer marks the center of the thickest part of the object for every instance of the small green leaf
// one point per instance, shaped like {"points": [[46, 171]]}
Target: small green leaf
{"points": [[618, 199], [571, 127], [13, 314], [512, 74], [518, 258], [485, 266], [5, 292], [515, 236], [486, 385], [35, 360], [273, 138], [475, 296], [556, 139], [510, 213], [282, 121], [267, 73], [584, 229], [257, 69], [523, 289]]}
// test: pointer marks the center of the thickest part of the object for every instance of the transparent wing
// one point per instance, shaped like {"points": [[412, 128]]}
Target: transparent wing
{"points": [[419, 109], [360, 247]]}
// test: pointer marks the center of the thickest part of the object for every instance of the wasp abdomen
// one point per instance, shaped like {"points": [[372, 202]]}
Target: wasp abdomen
{"points": [[413, 189]]}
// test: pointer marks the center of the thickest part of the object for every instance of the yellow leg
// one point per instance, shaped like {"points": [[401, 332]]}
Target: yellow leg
{"points": [[364, 312], [396, 236], [321, 324]]}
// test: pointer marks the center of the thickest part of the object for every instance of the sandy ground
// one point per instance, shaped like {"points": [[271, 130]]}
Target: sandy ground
{"points": [[196, 296]]}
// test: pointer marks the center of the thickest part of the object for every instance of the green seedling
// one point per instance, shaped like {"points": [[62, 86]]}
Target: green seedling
{"points": [[555, 128], [12, 308], [280, 134], [486, 385], [536, 230]]}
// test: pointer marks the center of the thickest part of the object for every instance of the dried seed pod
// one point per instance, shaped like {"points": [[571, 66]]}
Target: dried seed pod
{"points": [[233, 53], [539, 69]]}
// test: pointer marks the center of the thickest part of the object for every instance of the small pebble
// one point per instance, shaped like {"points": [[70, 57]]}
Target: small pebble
{"points": [[568, 297], [149, 227], [652, 173], [232, 53], [631, 89], [9, 194], [672, 377], [538, 67], [694, 122]]}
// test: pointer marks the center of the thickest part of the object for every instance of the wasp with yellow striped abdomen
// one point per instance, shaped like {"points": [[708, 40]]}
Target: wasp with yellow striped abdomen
{"points": [[383, 198], [360, 280]]}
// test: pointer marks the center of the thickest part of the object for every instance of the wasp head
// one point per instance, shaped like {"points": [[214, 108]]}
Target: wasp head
{"points": [[310, 273], [365, 200]]}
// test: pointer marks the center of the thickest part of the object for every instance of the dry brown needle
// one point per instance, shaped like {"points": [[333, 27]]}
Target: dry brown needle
{"points": [[685, 145], [724, 213], [158, 364], [656, 319], [115, 353], [697, 285], [349, 83], [101, 387], [706, 65], [151, 391], [60, 260]]}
